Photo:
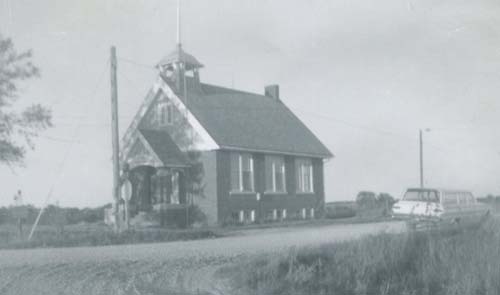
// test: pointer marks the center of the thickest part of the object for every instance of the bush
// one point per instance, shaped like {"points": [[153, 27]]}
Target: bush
{"points": [[366, 200], [54, 215], [385, 201], [176, 217], [196, 216], [339, 211]]}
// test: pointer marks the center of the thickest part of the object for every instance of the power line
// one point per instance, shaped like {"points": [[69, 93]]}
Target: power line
{"points": [[149, 67], [63, 161], [301, 110], [52, 138]]}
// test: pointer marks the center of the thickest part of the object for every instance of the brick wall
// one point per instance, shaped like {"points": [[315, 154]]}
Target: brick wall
{"points": [[208, 201], [230, 203]]}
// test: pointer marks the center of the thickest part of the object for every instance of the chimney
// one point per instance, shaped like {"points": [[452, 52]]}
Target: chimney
{"points": [[273, 91]]}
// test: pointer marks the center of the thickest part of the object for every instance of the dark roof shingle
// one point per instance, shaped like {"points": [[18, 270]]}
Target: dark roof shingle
{"points": [[242, 120], [165, 148]]}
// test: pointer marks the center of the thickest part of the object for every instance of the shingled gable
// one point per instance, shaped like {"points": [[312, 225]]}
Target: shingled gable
{"points": [[205, 142]]}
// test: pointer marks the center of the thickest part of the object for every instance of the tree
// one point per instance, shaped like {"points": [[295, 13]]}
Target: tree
{"points": [[18, 128], [366, 199], [385, 198], [385, 201]]}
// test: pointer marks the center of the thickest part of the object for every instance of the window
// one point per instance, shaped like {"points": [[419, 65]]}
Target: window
{"points": [[160, 184], [462, 198], [450, 199], [235, 216], [311, 213], [243, 216], [275, 174], [283, 214], [165, 113], [174, 199], [242, 179], [304, 176], [275, 214], [420, 195], [304, 213], [470, 198]]}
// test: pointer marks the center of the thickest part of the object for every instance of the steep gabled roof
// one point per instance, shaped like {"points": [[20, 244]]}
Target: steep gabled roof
{"points": [[247, 121], [165, 148], [230, 119]]}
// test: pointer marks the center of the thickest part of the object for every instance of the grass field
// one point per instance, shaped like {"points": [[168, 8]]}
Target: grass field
{"points": [[94, 235], [97, 234], [326, 259], [464, 262]]}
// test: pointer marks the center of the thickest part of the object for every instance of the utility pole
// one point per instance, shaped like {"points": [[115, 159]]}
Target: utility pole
{"points": [[421, 159], [114, 140]]}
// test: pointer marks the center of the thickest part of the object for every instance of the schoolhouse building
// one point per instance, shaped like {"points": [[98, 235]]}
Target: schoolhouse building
{"points": [[237, 156]]}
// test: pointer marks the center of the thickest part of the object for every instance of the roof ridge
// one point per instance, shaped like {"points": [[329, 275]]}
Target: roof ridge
{"points": [[226, 88]]}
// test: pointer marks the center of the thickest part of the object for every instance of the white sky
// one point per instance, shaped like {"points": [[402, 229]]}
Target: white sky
{"points": [[363, 75]]}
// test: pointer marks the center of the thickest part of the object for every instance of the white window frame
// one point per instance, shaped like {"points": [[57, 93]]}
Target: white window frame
{"points": [[175, 193], [273, 176], [274, 161], [302, 166], [283, 178], [240, 174], [165, 113]]}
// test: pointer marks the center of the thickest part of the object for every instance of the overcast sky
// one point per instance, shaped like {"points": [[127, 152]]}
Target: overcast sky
{"points": [[364, 76]]}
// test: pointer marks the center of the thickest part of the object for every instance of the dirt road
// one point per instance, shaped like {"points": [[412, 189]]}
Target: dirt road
{"points": [[164, 268]]}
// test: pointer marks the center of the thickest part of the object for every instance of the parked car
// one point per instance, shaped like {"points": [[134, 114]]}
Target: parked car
{"points": [[422, 206]]}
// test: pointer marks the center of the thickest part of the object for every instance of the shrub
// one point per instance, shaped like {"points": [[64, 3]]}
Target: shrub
{"points": [[366, 199], [385, 201], [55, 215], [179, 217], [196, 216], [339, 211]]}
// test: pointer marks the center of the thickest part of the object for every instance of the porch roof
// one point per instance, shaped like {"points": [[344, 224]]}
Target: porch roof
{"points": [[165, 148]]}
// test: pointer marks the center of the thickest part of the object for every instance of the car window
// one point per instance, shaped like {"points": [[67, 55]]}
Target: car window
{"points": [[470, 198], [422, 196], [432, 197], [450, 199], [462, 198]]}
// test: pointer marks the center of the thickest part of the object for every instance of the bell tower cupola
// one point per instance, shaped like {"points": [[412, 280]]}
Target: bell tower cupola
{"points": [[178, 65]]}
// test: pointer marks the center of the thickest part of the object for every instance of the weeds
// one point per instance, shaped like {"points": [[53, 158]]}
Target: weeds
{"points": [[443, 262]]}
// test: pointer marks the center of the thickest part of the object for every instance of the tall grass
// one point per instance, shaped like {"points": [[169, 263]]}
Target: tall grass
{"points": [[467, 262]]}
